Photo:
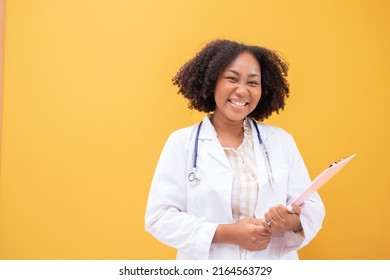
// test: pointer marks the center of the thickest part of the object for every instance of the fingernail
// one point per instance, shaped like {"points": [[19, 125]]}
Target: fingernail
{"points": [[290, 209]]}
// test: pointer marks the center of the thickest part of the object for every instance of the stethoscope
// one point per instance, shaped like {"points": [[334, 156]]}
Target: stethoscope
{"points": [[194, 176]]}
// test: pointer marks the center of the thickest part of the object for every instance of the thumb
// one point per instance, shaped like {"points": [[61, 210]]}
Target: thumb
{"points": [[293, 209]]}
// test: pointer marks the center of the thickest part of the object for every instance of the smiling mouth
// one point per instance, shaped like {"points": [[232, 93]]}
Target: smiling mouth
{"points": [[238, 104]]}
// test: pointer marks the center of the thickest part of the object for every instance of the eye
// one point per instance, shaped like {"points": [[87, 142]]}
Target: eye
{"points": [[254, 83], [232, 78]]}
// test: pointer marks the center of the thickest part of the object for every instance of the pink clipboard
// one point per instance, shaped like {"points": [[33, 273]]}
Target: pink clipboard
{"points": [[321, 179]]}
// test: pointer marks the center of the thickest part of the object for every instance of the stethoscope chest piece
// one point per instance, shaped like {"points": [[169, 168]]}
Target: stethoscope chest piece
{"points": [[194, 177]]}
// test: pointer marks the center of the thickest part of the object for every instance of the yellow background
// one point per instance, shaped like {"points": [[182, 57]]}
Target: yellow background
{"points": [[88, 105]]}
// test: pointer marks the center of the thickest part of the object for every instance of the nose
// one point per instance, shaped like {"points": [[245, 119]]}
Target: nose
{"points": [[241, 89]]}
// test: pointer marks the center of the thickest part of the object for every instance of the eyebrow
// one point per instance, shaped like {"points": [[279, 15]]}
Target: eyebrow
{"points": [[238, 74]]}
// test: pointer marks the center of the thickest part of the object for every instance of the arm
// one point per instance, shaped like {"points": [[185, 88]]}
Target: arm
{"points": [[281, 218], [313, 211], [299, 224], [248, 233], [166, 218]]}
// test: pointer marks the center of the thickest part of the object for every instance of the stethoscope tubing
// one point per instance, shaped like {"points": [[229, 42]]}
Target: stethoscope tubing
{"points": [[194, 176], [196, 146]]}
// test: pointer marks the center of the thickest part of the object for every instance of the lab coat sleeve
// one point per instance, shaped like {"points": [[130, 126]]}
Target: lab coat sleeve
{"points": [[313, 211], [166, 218]]}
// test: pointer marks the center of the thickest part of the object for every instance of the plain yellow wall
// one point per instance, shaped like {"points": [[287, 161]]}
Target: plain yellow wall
{"points": [[88, 105]]}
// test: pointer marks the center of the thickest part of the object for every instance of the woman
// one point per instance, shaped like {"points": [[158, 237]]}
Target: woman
{"points": [[221, 188]]}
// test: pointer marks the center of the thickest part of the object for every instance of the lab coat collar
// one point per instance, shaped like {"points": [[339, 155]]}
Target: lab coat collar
{"points": [[216, 151], [208, 131], [265, 130]]}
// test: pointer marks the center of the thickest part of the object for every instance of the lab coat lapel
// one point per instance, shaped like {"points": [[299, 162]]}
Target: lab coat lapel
{"points": [[215, 149], [260, 161], [262, 175]]}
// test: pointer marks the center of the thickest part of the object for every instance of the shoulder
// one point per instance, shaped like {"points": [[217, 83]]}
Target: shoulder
{"points": [[282, 146], [189, 133], [279, 142], [184, 133], [273, 132], [181, 139]]}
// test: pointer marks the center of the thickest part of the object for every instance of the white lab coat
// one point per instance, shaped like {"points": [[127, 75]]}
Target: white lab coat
{"points": [[185, 216]]}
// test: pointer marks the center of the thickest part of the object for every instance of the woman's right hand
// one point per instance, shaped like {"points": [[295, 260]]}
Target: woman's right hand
{"points": [[248, 233]]}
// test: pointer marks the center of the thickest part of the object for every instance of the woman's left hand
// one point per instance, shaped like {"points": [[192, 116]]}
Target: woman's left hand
{"points": [[279, 219]]}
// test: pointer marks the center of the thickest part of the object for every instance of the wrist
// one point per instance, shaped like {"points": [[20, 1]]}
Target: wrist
{"points": [[224, 234], [299, 228]]}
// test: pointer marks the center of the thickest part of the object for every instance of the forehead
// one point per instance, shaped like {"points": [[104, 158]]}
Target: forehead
{"points": [[245, 61]]}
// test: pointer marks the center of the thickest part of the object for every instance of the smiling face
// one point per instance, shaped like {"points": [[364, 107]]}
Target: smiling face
{"points": [[238, 89]]}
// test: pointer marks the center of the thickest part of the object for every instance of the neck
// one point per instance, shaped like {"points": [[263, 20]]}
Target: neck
{"points": [[229, 133], [227, 126]]}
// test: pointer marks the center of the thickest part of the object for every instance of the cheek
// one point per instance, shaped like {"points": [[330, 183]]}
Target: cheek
{"points": [[218, 98], [220, 91], [257, 96]]}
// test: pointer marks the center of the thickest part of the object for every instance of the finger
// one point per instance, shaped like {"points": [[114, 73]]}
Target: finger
{"points": [[267, 217], [267, 221], [294, 209], [277, 213], [267, 226]]}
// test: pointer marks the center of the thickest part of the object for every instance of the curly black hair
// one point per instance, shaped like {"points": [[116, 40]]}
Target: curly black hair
{"points": [[197, 78]]}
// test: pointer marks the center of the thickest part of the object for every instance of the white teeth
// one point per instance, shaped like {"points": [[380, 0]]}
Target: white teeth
{"points": [[238, 104]]}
